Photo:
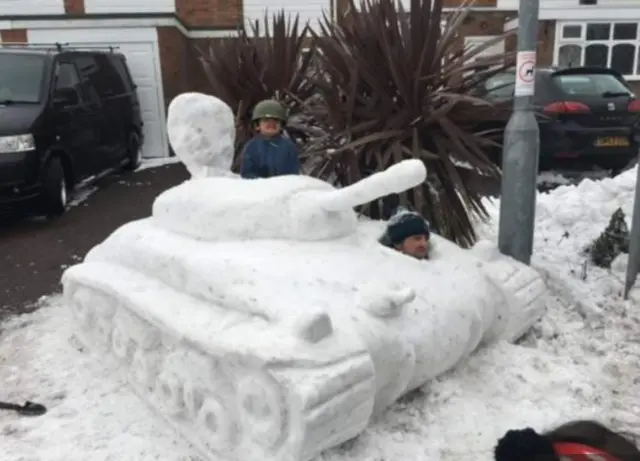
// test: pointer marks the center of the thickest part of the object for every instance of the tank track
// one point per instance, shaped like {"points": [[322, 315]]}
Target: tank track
{"points": [[524, 288], [230, 404]]}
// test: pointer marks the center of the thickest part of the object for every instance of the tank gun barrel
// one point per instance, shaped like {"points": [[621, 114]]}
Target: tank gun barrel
{"points": [[400, 177]]}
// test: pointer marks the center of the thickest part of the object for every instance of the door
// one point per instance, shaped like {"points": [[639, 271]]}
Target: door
{"points": [[96, 94], [101, 81], [73, 123], [143, 62]]}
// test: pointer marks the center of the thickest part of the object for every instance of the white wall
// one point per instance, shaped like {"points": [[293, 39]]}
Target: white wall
{"points": [[308, 10], [571, 10], [40, 7], [127, 6], [560, 4], [31, 7]]}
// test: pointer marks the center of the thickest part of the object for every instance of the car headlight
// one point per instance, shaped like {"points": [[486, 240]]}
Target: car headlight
{"points": [[17, 143]]}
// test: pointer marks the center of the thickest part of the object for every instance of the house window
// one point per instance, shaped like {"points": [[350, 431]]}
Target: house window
{"points": [[600, 44]]}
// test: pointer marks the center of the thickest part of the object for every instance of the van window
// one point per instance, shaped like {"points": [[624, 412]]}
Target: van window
{"points": [[101, 74], [21, 77], [66, 76]]}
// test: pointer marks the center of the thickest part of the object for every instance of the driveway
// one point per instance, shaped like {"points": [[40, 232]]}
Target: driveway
{"points": [[33, 253]]}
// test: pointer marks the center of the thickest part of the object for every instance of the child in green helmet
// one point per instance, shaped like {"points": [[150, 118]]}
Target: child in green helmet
{"points": [[269, 153]]}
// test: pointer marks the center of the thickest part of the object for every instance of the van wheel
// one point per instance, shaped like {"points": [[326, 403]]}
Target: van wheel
{"points": [[134, 153], [55, 194]]}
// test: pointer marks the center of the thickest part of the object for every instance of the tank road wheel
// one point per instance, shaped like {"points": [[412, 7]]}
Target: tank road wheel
{"points": [[82, 308], [121, 344], [144, 370], [105, 308], [169, 392], [193, 399], [102, 332], [263, 410], [216, 427]]}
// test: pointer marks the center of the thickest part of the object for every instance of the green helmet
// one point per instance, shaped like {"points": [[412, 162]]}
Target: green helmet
{"points": [[269, 108]]}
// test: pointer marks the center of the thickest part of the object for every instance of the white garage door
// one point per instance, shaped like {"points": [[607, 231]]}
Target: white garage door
{"points": [[142, 58], [140, 46]]}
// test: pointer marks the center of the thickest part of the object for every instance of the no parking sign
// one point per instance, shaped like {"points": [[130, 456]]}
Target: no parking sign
{"points": [[525, 73]]}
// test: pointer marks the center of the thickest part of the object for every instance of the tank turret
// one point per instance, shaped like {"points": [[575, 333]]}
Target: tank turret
{"points": [[264, 321], [285, 207]]}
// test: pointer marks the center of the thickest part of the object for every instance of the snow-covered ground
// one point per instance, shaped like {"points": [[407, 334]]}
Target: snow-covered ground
{"points": [[579, 361], [157, 162], [82, 195]]}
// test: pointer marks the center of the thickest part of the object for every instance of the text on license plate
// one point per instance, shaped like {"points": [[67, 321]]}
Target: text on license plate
{"points": [[613, 141]]}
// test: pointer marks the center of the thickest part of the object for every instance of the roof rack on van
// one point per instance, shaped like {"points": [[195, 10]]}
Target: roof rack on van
{"points": [[58, 46]]}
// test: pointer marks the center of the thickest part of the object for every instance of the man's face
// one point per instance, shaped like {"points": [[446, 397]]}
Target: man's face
{"points": [[416, 246], [269, 126]]}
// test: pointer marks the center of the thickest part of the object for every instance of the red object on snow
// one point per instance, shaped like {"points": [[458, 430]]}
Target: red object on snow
{"points": [[579, 452]]}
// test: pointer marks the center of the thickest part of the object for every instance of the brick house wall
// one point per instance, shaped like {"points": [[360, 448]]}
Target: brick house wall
{"points": [[179, 56], [210, 13], [13, 36], [182, 70], [75, 7], [546, 40]]}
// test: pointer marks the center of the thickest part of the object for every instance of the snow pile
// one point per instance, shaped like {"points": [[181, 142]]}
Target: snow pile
{"points": [[568, 219], [198, 287], [93, 414], [219, 298], [593, 324], [149, 163], [578, 362]]}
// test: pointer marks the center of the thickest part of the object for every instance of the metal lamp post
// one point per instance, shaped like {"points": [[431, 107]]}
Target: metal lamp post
{"points": [[634, 241], [521, 146]]}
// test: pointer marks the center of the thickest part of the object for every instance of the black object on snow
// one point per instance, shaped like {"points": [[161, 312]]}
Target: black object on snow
{"points": [[613, 241], [28, 409]]}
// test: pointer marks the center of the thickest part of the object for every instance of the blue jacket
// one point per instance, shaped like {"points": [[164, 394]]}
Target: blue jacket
{"points": [[266, 157]]}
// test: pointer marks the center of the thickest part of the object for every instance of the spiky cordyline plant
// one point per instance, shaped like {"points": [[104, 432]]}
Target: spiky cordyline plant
{"points": [[260, 64], [399, 87]]}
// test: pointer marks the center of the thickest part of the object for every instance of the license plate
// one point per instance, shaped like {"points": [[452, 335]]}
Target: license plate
{"points": [[613, 141]]}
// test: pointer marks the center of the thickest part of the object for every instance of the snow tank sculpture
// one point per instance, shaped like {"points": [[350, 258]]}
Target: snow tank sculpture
{"points": [[263, 320]]}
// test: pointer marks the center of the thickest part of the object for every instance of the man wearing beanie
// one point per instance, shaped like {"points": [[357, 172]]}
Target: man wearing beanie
{"points": [[408, 232]]}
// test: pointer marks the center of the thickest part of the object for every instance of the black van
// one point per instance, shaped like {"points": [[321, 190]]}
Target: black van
{"points": [[67, 117]]}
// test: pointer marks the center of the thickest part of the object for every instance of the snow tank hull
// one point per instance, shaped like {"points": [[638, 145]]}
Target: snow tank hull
{"points": [[268, 349]]}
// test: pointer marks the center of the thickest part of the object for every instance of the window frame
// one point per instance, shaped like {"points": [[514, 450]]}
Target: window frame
{"points": [[610, 43]]}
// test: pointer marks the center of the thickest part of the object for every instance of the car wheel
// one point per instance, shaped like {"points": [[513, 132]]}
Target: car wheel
{"points": [[55, 192], [134, 153]]}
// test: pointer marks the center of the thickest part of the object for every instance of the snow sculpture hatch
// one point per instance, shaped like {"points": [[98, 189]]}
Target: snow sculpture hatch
{"points": [[263, 320]]}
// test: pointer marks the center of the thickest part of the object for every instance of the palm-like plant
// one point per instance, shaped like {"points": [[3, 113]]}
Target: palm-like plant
{"points": [[396, 84], [261, 64]]}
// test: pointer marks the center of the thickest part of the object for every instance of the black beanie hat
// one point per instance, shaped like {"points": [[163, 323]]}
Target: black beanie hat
{"points": [[405, 223], [524, 445]]}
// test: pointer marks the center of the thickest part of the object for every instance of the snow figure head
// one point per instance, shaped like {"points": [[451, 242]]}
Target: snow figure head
{"points": [[201, 130]]}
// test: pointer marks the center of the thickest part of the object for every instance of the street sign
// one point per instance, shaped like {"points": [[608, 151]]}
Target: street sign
{"points": [[525, 73]]}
